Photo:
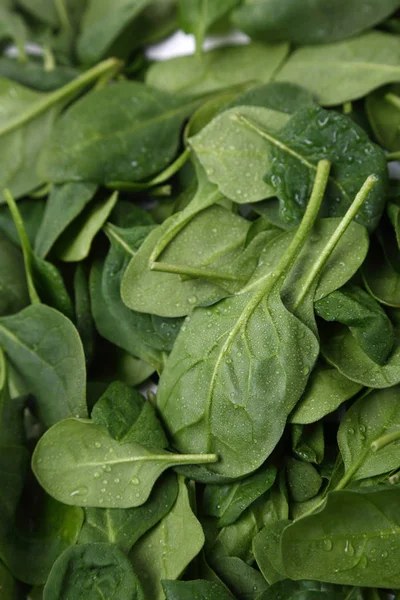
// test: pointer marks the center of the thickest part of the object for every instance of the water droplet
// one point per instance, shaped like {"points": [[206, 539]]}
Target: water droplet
{"points": [[97, 444], [105, 481], [351, 431], [328, 545], [103, 490], [82, 491], [306, 370], [192, 300], [385, 554], [349, 548], [135, 480], [107, 468], [101, 500], [362, 428], [116, 480], [96, 475]]}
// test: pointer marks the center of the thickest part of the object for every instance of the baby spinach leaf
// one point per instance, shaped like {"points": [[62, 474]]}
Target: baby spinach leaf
{"points": [[227, 502], [123, 527], [95, 570], [326, 390], [374, 416], [310, 22], [235, 157], [199, 589], [381, 270], [75, 242], [128, 417], [235, 330], [267, 553], [31, 212], [383, 110], [38, 536], [26, 124], [109, 135], [166, 550], [308, 442], [102, 23], [43, 278], [197, 16], [217, 259], [14, 291], [347, 70], [364, 317], [340, 348], [44, 348], [64, 204], [314, 134], [304, 481], [95, 470], [243, 580], [346, 541], [217, 69]]}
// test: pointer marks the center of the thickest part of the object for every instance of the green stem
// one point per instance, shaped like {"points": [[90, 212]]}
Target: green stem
{"points": [[192, 459], [67, 90], [385, 440], [393, 156], [160, 178], [393, 100], [335, 238], [3, 370], [347, 108], [193, 272], [25, 244], [49, 62], [306, 224], [62, 14]]}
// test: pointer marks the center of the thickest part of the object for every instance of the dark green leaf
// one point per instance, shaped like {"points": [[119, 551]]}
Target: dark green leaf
{"points": [[195, 590]]}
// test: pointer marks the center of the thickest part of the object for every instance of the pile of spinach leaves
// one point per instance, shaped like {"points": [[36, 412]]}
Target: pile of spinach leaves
{"points": [[199, 301]]}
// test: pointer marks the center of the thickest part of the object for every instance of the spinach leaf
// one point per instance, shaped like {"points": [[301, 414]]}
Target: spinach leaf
{"points": [[381, 270], [347, 70], [83, 314], [199, 589], [44, 348], [314, 134], [340, 348], [304, 481], [75, 242], [217, 69], [34, 75], [197, 16], [123, 527], [93, 569], [26, 124], [326, 390], [369, 420], [235, 157], [166, 550], [308, 442], [278, 96], [364, 317], [128, 417], [102, 23], [310, 22], [64, 204], [383, 110], [346, 541], [227, 502], [95, 470], [219, 260], [109, 135], [305, 590], [267, 552], [236, 330], [14, 291], [10, 588], [242, 579]]}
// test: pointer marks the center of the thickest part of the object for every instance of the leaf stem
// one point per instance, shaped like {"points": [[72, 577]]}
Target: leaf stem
{"points": [[25, 244], [307, 222], [335, 238], [193, 272], [393, 156], [393, 100], [385, 440], [70, 89]]}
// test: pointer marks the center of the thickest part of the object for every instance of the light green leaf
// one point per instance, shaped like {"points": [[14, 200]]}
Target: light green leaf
{"points": [[168, 548], [78, 463]]}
